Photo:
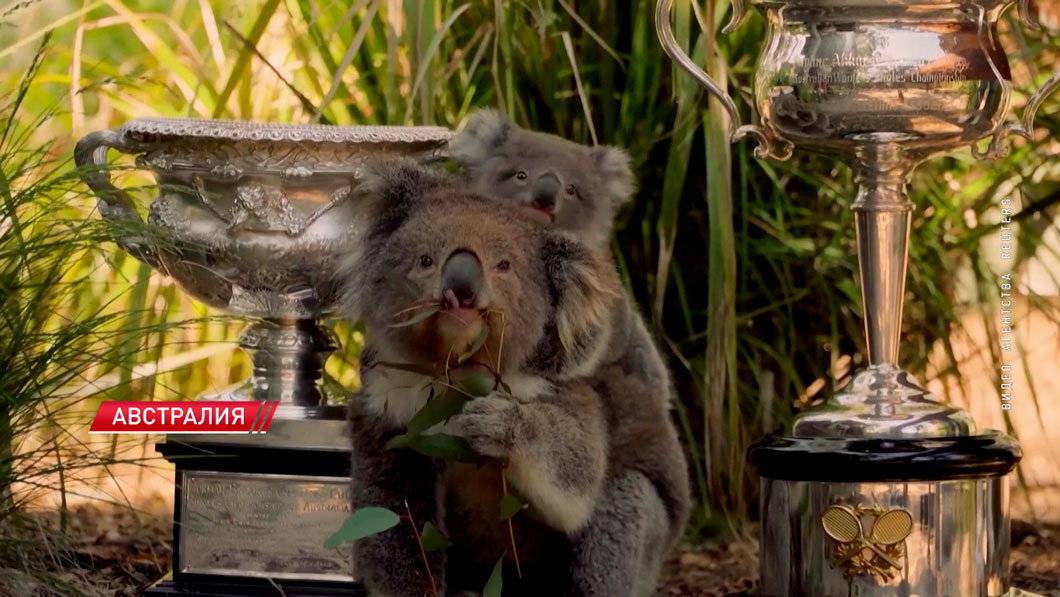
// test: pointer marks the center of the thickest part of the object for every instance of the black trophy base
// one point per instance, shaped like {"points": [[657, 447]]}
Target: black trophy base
{"points": [[882, 460], [215, 587], [252, 513], [880, 517]]}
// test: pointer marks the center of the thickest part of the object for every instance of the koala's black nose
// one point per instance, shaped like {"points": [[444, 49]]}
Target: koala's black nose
{"points": [[544, 191], [461, 279]]}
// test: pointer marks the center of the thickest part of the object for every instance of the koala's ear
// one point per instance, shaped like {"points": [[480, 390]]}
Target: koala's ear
{"points": [[585, 291], [616, 171], [389, 187], [484, 132], [398, 179]]}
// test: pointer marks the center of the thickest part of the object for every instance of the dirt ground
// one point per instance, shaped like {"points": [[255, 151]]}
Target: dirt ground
{"points": [[117, 553]]}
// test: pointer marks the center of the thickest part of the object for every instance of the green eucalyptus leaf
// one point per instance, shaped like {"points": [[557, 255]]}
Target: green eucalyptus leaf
{"points": [[404, 285], [399, 441], [417, 316], [423, 370], [435, 411], [496, 582], [480, 340], [477, 385], [363, 523], [443, 445], [510, 506], [433, 539]]}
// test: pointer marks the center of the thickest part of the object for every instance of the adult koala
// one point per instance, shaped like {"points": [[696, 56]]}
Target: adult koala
{"points": [[577, 190], [601, 471]]}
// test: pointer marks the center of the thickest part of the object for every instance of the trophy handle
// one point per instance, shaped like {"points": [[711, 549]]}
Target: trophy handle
{"points": [[669, 44], [1031, 21], [90, 157], [769, 146], [1023, 128]]}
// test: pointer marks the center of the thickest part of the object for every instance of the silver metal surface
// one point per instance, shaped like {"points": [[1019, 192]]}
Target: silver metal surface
{"points": [[292, 427], [958, 545], [250, 218], [287, 362], [886, 84], [883, 401], [266, 526]]}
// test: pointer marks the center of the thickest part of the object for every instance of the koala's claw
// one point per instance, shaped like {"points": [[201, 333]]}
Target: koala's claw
{"points": [[488, 425]]}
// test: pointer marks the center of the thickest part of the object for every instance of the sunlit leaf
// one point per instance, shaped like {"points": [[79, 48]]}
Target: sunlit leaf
{"points": [[480, 340], [417, 316], [365, 522], [261, 23]]}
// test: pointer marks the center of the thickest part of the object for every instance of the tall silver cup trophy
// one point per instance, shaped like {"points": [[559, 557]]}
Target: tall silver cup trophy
{"points": [[884, 490]]}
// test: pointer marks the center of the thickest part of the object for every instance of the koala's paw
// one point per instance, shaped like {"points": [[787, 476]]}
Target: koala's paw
{"points": [[488, 424]]}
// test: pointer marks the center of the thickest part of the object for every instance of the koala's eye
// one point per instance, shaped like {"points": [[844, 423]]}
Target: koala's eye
{"points": [[504, 266], [426, 261], [571, 190], [520, 175]]}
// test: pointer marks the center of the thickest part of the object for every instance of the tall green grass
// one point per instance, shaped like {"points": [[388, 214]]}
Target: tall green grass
{"points": [[62, 342], [746, 268]]}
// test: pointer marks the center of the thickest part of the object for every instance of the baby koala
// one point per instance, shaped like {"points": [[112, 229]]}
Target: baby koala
{"points": [[569, 186], [599, 467], [517, 167]]}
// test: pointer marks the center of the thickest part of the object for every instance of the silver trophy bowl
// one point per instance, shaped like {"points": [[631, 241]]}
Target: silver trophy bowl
{"points": [[250, 218]]}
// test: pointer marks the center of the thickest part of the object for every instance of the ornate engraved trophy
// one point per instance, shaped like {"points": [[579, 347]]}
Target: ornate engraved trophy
{"points": [[883, 490], [250, 219]]}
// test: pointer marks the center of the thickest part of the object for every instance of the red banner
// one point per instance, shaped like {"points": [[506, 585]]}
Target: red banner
{"points": [[183, 417]]}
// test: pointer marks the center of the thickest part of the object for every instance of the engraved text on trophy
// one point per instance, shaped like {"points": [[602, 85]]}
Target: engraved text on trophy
{"points": [[263, 525]]}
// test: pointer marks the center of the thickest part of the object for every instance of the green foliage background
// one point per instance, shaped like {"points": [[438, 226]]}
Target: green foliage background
{"points": [[746, 268]]}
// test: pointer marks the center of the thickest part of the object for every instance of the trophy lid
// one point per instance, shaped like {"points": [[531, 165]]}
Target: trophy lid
{"points": [[154, 129], [883, 401]]}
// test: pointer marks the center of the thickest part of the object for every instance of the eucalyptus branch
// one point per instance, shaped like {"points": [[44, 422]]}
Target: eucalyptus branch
{"points": [[423, 553]]}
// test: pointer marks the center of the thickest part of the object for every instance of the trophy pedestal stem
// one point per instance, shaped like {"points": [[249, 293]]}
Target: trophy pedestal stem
{"points": [[882, 213], [287, 356]]}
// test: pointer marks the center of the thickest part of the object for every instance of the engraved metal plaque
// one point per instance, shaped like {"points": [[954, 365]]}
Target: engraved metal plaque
{"points": [[271, 526]]}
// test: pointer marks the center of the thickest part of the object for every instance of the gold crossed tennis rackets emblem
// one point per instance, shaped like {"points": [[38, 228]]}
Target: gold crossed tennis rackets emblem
{"points": [[880, 553]]}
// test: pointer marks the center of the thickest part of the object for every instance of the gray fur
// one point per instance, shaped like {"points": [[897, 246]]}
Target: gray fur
{"points": [[553, 441], [390, 563], [628, 527], [632, 378], [593, 182], [587, 432]]}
